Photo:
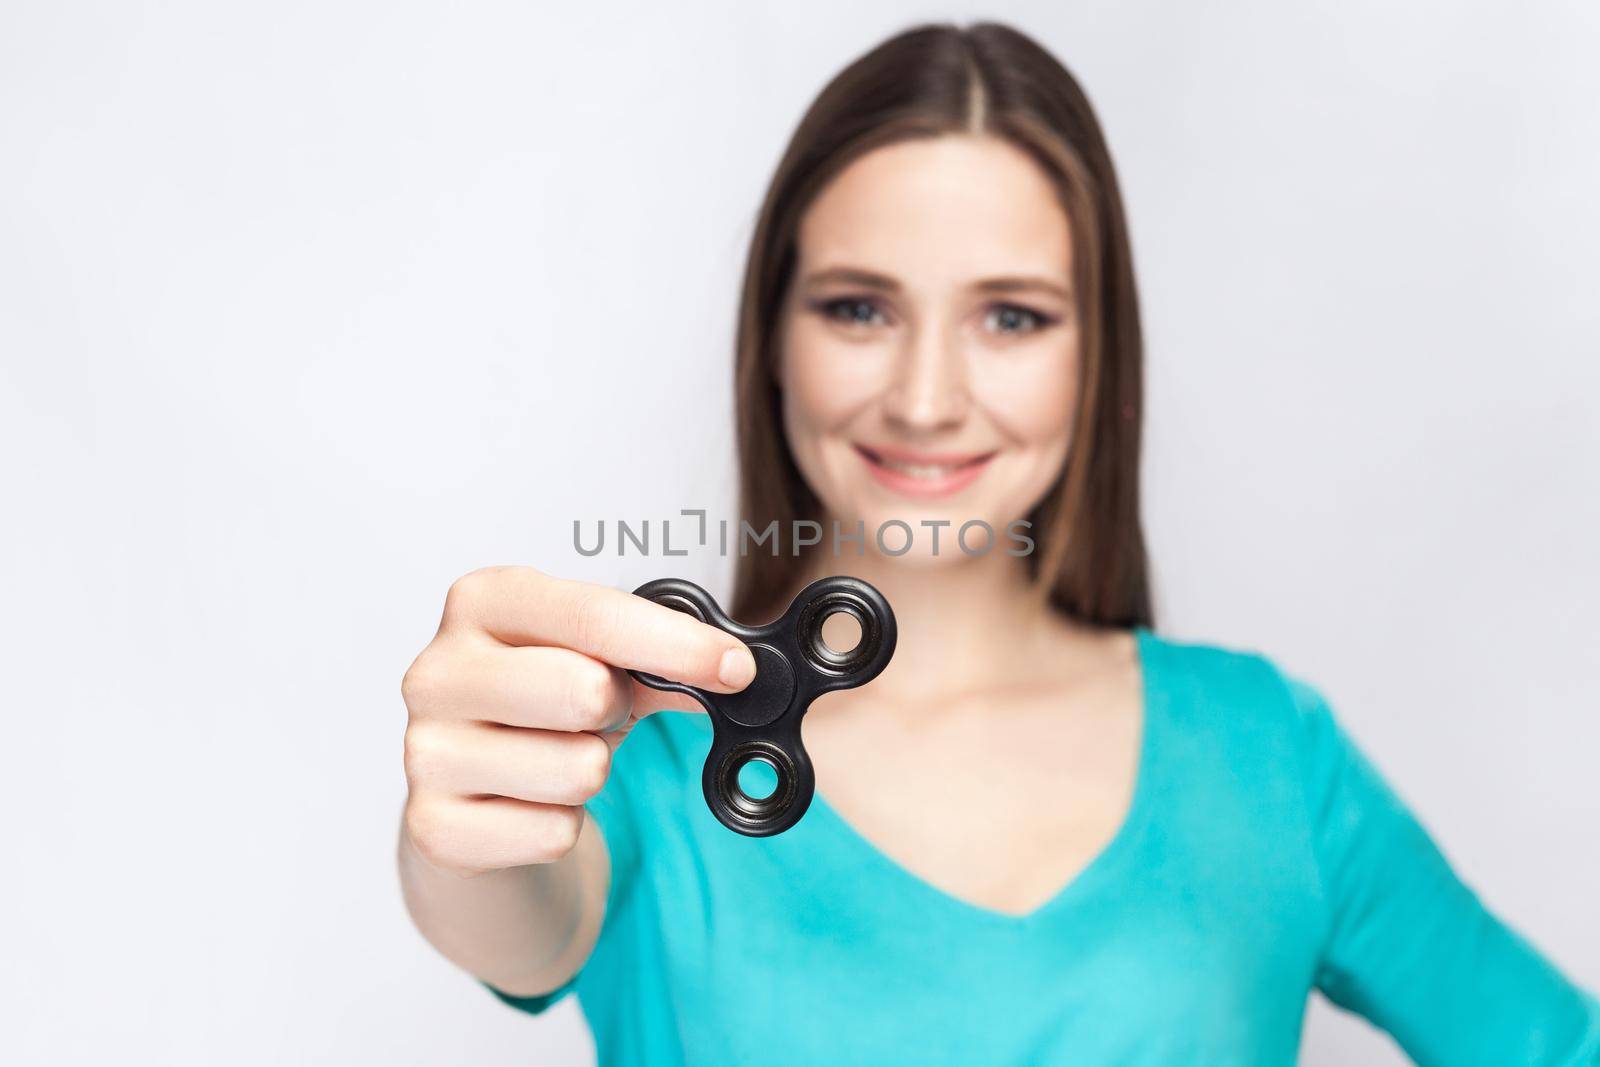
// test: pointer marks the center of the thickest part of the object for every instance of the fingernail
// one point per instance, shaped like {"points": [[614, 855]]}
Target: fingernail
{"points": [[737, 669]]}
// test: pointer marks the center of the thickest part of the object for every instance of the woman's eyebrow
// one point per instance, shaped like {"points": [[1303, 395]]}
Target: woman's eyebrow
{"points": [[1023, 284], [852, 276], [867, 279]]}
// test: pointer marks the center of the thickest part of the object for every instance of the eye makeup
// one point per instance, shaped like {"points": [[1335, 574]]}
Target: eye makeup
{"points": [[850, 311], [1016, 320]]}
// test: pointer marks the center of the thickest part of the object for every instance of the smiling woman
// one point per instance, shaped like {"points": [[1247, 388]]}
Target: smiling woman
{"points": [[1045, 833], [942, 207], [930, 337]]}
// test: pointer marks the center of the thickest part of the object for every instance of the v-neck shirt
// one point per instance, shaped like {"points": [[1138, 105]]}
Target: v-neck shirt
{"points": [[1262, 856]]}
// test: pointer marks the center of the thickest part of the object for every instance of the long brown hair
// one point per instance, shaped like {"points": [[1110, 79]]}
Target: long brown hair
{"points": [[926, 82]]}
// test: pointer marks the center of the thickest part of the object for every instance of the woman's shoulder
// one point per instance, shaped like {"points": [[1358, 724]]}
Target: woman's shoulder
{"points": [[1240, 722], [1231, 687]]}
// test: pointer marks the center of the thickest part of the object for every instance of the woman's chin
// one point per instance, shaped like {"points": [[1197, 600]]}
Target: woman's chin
{"points": [[922, 558]]}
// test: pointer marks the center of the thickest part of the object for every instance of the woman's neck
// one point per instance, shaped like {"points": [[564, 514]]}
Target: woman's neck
{"points": [[964, 625]]}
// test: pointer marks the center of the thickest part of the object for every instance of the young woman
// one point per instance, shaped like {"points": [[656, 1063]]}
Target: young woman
{"points": [[1045, 834]]}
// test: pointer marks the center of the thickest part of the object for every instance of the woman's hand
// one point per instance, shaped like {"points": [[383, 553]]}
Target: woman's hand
{"points": [[518, 702]]}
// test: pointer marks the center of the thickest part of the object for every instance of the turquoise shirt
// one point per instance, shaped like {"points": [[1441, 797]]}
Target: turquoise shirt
{"points": [[1262, 857]]}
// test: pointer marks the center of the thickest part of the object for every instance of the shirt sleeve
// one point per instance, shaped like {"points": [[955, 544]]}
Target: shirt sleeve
{"points": [[1409, 946]]}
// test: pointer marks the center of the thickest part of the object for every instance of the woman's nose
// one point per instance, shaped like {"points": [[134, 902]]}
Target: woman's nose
{"points": [[929, 388]]}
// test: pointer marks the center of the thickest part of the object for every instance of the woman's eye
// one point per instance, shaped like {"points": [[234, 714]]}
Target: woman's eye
{"points": [[854, 312], [1011, 318]]}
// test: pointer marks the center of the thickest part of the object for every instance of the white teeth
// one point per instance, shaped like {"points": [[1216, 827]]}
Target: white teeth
{"points": [[921, 470]]}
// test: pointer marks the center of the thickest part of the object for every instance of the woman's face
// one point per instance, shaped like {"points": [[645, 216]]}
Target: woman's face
{"points": [[929, 346]]}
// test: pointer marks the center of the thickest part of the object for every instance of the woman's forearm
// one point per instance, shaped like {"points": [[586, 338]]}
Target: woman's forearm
{"points": [[524, 930]]}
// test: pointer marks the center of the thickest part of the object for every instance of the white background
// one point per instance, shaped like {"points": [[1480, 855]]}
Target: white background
{"points": [[306, 308]]}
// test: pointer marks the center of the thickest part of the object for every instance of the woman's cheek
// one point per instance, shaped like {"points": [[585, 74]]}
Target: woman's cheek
{"points": [[1033, 399], [827, 381]]}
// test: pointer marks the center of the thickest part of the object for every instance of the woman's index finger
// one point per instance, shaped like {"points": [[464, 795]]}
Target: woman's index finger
{"points": [[523, 607]]}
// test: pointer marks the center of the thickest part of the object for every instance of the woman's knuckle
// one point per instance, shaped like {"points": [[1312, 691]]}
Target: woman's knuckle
{"points": [[460, 593], [548, 842], [425, 828], [421, 681], [562, 829], [583, 613], [590, 696], [424, 752], [594, 620], [468, 590], [591, 765]]}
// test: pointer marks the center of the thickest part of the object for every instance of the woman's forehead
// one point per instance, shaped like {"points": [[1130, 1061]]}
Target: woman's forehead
{"points": [[948, 208]]}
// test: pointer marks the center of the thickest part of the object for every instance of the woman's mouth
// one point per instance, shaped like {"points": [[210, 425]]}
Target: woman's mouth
{"points": [[923, 474]]}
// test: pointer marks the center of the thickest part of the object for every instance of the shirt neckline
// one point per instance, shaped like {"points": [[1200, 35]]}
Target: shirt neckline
{"points": [[1100, 868]]}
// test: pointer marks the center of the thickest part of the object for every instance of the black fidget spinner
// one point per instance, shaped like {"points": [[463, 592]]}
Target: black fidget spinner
{"points": [[794, 666]]}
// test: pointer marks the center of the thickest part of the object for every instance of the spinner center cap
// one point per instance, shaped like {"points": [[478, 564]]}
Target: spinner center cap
{"points": [[765, 699]]}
